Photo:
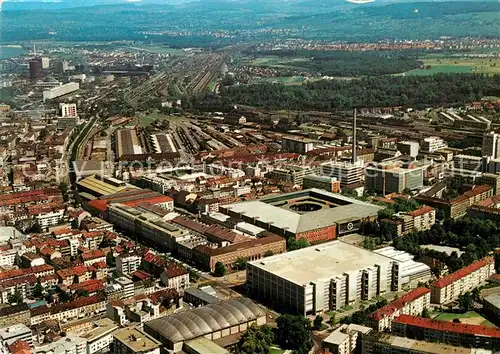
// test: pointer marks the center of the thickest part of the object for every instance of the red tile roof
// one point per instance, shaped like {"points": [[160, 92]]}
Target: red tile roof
{"points": [[459, 274], [424, 209], [173, 270], [224, 234], [141, 275], [80, 302], [20, 347], [190, 224], [459, 328], [71, 272], [87, 256], [90, 285], [472, 193], [398, 304], [16, 273]]}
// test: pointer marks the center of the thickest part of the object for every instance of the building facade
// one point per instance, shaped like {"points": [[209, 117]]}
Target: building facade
{"points": [[450, 287], [457, 334], [321, 278], [413, 303]]}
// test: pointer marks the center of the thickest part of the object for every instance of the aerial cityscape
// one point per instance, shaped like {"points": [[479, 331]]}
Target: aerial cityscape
{"points": [[249, 177]]}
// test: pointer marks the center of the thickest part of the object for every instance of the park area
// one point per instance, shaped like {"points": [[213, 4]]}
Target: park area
{"points": [[450, 65], [469, 317]]}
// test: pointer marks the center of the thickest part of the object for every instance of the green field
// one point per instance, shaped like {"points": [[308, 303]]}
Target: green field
{"points": [[276, 351], [470, 317], [458, 65], [150, 118]]}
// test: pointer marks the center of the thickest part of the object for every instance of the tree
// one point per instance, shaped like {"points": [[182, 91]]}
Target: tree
{"points": [[386, 213], [38, 289], [318, 322], [425, 313], [440, 214], [293, 244], [110, 260], [268, 253], [294, 332], [256, 340], [465, 301], [15, 298], [220, 269], [476, 295], [332, 319], [194, 276], [240, 264], [497, 262]]}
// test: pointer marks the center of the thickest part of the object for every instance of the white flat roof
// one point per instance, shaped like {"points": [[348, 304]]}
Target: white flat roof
{"points": [[322, 262]]}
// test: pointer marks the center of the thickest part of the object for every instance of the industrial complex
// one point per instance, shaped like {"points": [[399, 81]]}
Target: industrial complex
{"points": [[313, 214]]}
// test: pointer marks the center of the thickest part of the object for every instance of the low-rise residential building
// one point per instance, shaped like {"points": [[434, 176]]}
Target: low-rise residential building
{"points": [[419, 220], [451, 286], [99, 336], [292, 174], [76, 309], [458, 207], [345, 339], [374, 343], [15, 332], [92, 257], [175, 277], [67, 345], [127, 263], [134, 341], [413, 303], [14, 314], [458, 334]]}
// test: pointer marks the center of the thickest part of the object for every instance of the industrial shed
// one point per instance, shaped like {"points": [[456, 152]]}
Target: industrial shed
{"points": [[212, 322]]}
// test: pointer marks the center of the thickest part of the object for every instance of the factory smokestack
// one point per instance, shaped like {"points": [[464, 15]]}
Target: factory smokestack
{"points": [[354, 142]]}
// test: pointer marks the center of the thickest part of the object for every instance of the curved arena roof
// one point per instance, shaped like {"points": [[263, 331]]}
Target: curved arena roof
{"points": [[205, 320]]}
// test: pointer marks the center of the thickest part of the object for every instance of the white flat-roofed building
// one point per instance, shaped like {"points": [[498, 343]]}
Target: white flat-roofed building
{"points": [[321, 278], [60, 90], [127, 263], [346, 172], [411, 272], [65, 345], [345, 339], [432, 144], [12, 334], [134, 341], [100, 336]]}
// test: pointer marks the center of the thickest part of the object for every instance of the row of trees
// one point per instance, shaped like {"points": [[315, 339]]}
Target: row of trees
{"points": [[378, 91], [476, 237], [362, 316], [293, 332]]}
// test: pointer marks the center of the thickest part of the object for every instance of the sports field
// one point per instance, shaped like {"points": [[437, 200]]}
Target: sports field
{"points": [[470, 317], [458, 65]]}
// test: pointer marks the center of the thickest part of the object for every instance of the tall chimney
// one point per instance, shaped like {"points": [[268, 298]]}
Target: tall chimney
{"points": [[354, 143]]}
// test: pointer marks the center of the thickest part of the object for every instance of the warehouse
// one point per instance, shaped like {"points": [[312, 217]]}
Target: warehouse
{"points": [[321, 278], [314, 214], [127, 143], [212, 322]]}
